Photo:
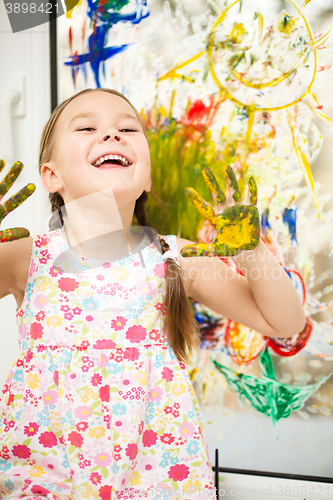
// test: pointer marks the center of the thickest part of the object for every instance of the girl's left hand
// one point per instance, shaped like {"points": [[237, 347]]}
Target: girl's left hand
{"points": [[237, 226]]}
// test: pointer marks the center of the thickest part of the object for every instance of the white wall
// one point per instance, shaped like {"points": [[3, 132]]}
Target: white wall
{"points": [[24, 53]]}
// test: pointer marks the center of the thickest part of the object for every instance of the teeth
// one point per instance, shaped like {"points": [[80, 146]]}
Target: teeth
{"points": [[111, 157]]}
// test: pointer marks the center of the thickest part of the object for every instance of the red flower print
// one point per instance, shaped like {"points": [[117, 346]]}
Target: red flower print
{"points": [[28, 356], [67, 284], [167, 409], [21, 451], [76, 439], [104, 344], [104, 393], [158, 306], [136, 333], [31, 429], [131, 451], [117, 448], [159, 270], [154, 334], [96, 379], [105, 492], [82, 426], [48, 439], [77, 311], [54, 271], [39, 490], [176, 405], [118, 323], [40, 316], [19, 362], [167, 438], [131, 353], [140, 427], [178, 472], [167, 374], [56, 377], [36, 331], [65, 308], [5, 388], [95, 477], [149, 438], [10, 399]]}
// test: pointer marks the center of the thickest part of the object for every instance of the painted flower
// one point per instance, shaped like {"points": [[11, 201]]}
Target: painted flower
{"points": [[118, 323], [131, 451], [96, 432], [156, 393], [167, 374], [136, 333], [54, 321], [36, 331], [83, 412], [50, 397], [75, 439], [178, 472], [104, 393], [31, 429], [186, 430], [68, 284], [104, 344], [21, 451], [95, 478], [41, 301], [48, 439], [149, 438], [102, 459]]}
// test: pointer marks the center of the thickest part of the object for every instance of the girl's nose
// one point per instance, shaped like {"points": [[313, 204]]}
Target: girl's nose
{"points": [[116, 138]]}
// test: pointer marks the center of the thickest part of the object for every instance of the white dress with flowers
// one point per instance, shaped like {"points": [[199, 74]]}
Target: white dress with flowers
{"points": [[97, 405]]}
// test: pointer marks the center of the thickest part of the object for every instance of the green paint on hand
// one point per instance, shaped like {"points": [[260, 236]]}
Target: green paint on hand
{"points": [[233, 183]]}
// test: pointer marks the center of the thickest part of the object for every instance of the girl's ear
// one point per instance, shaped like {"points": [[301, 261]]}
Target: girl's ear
{"points": [[50, 178]]}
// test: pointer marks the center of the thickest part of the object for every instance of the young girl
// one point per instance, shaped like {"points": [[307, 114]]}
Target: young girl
{"points": [[99, 403]]}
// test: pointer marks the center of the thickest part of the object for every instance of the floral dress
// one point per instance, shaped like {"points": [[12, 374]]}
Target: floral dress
{"points": [[97, 405]]}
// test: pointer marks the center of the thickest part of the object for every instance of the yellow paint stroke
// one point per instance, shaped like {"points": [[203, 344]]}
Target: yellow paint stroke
{"points": [[305, 3], [304, 163], [320, 115], [70, 12], [316, 44], [260, 26], [251, 111], [237, 33], [173, 72]]}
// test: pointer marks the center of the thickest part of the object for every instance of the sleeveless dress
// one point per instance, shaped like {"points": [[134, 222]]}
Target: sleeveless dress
{"points": [[97, 405]]}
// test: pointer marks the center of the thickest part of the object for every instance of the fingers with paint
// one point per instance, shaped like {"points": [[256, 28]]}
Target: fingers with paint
{"points": [[13, 202], [237, 226]]}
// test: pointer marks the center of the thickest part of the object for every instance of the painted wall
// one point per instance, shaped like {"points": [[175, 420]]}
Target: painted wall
{"points": [[25, 53]]}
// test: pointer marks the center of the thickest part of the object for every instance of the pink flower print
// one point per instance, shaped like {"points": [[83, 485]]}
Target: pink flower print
{"points": [[28, 356], [118, 323], [95, 478], [149, 438], [186, 430], [105, 492], [131, 353], [167, 374], [154, 334], [156, 393], [102, 361], [121, 425], [136, 333], [104, 344], [31, 429], [50, 463], [77, 311], [21, 451], [39, 490], [75, 439], [104, 393], [96, 379], [68, 284], [56, 377], [42, 242], [82, 426], [40, 316], [54, 271], [48, 439], [102, 459], [36, 331], [24, 331], [129, 379], [178, 472], [83, 412], [167, 438], [147, 288], [33, 268], [68, 315], [148, 464], [131, 451], [65, 308], [141, 427], [50, 397], [159, 270]]}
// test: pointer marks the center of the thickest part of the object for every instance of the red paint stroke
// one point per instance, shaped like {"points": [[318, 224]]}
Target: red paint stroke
{"points": [[291, 346]]}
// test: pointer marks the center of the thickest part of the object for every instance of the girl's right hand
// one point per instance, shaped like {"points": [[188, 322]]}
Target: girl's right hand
{"points": [[13, 202]]}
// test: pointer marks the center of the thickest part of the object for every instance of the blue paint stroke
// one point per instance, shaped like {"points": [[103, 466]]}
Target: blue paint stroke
{"points": [[104, 14], [265, 222], [289, 217]]}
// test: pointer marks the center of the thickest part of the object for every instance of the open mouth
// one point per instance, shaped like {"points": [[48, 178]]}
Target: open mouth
{"points": [[112, 160]]}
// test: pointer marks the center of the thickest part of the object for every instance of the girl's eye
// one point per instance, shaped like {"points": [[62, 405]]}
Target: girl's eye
{"points": [[127, 130], [86, 128]]}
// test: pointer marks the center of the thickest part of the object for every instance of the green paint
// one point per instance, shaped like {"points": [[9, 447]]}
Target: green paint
{"points": [[266, 395], [253, 190], [213, 185], [233, 183]]}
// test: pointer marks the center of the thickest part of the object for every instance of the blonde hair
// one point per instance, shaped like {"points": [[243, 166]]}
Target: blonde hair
{"points": [[180, 324]]}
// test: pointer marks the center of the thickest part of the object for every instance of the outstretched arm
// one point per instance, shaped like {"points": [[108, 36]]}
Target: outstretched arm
{"points": [[264, 298]]}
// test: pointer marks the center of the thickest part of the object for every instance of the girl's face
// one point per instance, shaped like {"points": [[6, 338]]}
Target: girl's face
{"points": [[93, 126]]}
